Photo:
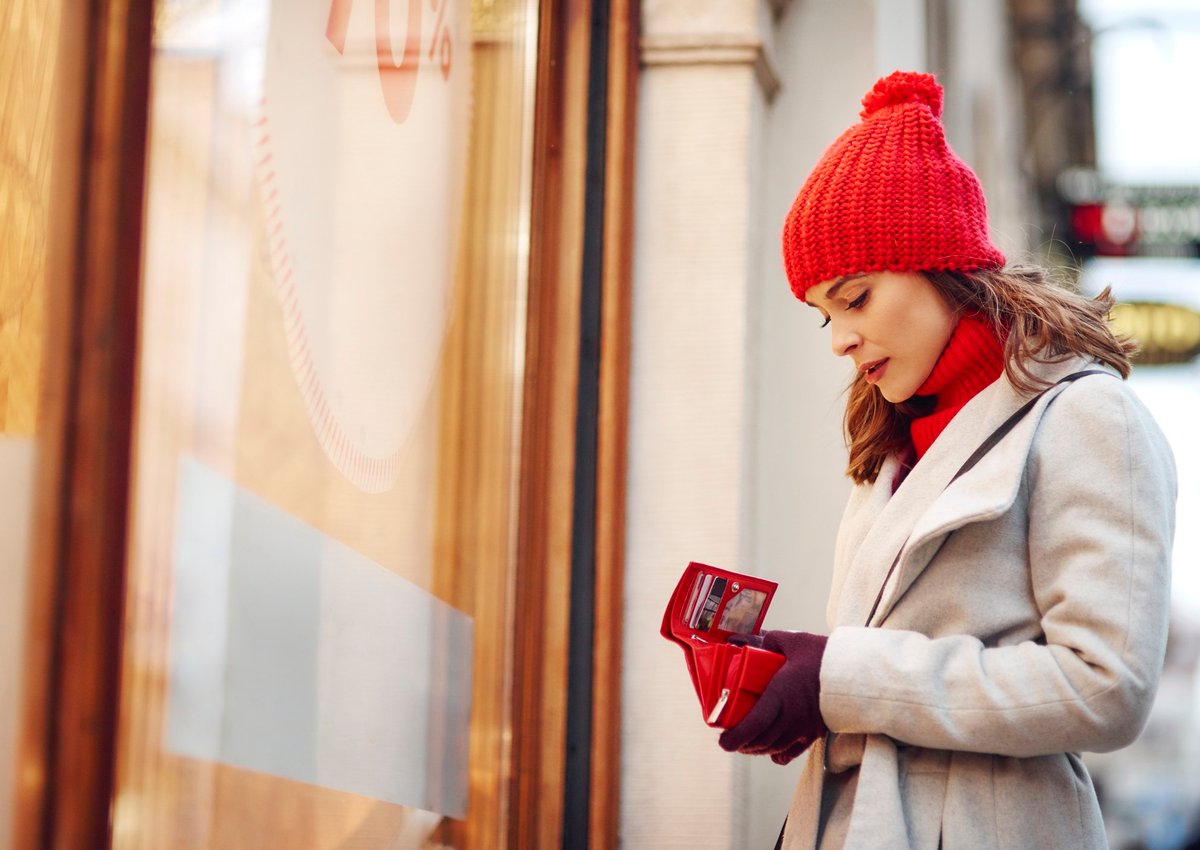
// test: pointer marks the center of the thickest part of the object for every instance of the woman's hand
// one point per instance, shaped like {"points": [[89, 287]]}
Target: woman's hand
{"points": [[786, 720], [746, 640]]}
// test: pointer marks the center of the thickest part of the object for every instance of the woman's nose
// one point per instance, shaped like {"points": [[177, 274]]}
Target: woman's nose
{"points": [[845, 340]]}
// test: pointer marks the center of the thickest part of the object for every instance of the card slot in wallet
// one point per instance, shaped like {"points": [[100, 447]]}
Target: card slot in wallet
{"points": [[710, 604]]}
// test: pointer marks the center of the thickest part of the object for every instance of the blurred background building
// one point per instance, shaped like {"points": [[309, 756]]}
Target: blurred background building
{"points": [[370, 372]]}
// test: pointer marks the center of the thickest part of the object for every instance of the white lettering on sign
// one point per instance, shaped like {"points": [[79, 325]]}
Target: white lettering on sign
{"points": [[1178, 223], [1119, 222]]}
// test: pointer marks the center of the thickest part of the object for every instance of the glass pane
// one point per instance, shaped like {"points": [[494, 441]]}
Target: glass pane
{"points": [[28, 53], [317, 641]]}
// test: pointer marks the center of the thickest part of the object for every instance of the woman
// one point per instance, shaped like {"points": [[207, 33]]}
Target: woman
{"points": [[992, 616]]}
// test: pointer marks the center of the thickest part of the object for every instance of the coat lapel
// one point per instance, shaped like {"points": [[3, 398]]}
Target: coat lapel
{"points": [[862, 515], [923, 510]]}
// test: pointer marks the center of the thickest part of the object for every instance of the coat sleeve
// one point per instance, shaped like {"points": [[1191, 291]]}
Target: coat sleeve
{"points": [[1102, 495]]}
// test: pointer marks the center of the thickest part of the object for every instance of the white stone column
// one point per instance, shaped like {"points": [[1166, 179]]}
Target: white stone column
{"points": [[704, 75]]}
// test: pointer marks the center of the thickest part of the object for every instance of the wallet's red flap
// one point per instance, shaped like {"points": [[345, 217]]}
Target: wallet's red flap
{"points": [[745, 681], [708, 605], [711, 663], [759, 666]]}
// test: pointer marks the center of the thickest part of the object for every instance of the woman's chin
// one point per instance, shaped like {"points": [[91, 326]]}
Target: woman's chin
{"points": [[893, 396]]}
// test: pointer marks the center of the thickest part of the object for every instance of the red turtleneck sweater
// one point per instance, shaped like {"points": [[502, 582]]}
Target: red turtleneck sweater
{"points": [[972, 359]]}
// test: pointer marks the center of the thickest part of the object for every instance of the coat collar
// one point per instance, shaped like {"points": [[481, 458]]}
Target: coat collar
{"points": [[923, 510]]}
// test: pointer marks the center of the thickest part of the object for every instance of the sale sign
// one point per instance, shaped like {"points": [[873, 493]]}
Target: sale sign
{"points": [[360, 151], [398, 80]]}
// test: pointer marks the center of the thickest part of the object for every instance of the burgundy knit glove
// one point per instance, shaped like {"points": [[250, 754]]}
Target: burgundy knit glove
{"points": [[787, 717], [739, 639]]}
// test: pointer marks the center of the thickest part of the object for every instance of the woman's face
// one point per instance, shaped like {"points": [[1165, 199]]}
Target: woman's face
{"points": [[893, 325]]}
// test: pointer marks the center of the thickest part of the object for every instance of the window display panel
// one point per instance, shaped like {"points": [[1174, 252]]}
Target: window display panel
{"points": [[317, 639]]}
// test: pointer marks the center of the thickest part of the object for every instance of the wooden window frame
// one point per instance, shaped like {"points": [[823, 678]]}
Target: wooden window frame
{"points": [[549, 476], [66, 761], [66, 751]]}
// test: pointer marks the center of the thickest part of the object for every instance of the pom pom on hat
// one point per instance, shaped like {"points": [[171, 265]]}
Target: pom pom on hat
{"points": [[889, 195], [903, 87]]}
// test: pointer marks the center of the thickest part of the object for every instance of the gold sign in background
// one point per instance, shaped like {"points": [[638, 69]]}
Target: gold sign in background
{"points": [[1167, 333]]}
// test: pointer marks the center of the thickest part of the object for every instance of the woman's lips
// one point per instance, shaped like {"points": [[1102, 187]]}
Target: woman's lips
{"points": [[874, 371]]}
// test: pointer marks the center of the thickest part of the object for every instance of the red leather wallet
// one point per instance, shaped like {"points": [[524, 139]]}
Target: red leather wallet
{"points": [[710, 604]]}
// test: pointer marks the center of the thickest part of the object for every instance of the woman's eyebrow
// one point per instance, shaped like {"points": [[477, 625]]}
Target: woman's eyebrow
{"points": [[833, 290], [842, 281]]}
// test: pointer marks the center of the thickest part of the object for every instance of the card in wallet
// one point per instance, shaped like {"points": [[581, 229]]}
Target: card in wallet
{"points": [[710, 604]]}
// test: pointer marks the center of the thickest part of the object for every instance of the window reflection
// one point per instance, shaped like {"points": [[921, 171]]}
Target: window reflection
{"points": [[28, 55], [334, 283]]}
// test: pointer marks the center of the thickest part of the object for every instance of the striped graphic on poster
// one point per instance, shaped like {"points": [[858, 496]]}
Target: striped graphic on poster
{"points": [[360, 151]]}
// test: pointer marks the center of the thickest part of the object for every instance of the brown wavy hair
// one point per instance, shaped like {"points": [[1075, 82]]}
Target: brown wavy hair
{"points": [[1039, 319]]}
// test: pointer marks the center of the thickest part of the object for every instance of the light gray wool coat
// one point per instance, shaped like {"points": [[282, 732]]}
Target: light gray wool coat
{"points": [[1024, 623]]}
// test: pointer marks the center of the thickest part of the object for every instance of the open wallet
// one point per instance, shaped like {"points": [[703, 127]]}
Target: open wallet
{"points": [[710, 604]]}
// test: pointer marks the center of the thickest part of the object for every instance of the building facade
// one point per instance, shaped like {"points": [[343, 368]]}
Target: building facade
{"points": [[387, 371]]}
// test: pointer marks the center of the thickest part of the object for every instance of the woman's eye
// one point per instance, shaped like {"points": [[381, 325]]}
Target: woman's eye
{"points": [[858, 302], [825, 323]]}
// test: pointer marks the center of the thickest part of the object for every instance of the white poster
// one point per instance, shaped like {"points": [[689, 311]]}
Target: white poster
{"points": [[360, 153]]}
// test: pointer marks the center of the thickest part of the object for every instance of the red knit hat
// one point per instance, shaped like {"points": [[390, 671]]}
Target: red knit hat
{"points": [[889, 195]]}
